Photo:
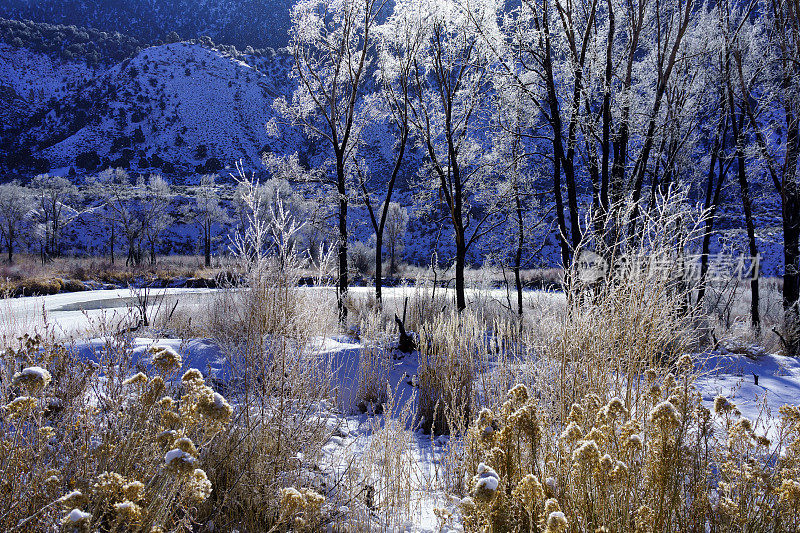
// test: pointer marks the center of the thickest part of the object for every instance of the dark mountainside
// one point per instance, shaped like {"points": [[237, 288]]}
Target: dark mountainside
{"points": [[242, 23]]}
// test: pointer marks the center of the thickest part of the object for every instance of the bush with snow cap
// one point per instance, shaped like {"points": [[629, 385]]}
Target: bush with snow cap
{"points": [[20, 407], [201, 404], [486, 483], [556, 522], [179, 461], [73, 499], [131, 461], [666, 415], [140, 378], [301, 509], [165, 359], [32, 378], [77, 520], [127, 512], [501, 490], [198, 486]]}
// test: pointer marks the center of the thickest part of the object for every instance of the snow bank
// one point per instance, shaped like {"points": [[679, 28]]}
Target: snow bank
{"points": [[734, 376]]}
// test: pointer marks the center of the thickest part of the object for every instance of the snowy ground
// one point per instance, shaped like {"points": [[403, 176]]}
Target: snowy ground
{"points": [[72, 314], [730, 372], [733, 375]]}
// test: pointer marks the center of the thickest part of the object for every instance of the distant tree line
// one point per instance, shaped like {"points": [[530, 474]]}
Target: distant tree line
{"points": [[95, 47], [259, 23], [132, 215], [69, 42]]}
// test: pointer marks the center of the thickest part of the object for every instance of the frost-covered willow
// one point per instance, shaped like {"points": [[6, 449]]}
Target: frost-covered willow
{"points": [[136, 209], [451, 111], [332, 44], [15, 211], [207, 211]]}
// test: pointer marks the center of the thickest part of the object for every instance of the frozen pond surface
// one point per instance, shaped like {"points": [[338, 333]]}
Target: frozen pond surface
{"points": [[72, 314]]}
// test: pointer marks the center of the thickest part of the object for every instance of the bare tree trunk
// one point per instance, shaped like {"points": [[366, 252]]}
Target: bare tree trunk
{"points": [[562, 228], [606, 145], [747, 207], [518, 254], [791, 277], [111, 243], [461, 260], [458, 220], [341, 291], [380, 225], [207, 244], [790, 200], [640, 167], [558, 147], [379, 266], [712, 201], [392, 261], [621, 137]]}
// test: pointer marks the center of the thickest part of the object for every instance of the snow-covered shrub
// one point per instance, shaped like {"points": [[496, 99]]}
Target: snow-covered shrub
{"points": [[449, 350], [269, 332], [361, 258], [121, 453], [634, 317], [661, 463], [301, 509], [165, 359]]}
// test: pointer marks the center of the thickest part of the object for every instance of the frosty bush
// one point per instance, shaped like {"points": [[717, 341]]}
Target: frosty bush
{"points": [[132, 459], [659, 466]]}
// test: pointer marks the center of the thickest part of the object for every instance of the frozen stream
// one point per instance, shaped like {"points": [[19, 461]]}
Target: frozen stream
{"points": [[72, 314]]}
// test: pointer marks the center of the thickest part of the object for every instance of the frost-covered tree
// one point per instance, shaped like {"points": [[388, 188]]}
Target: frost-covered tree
{"points": [[332, 44], [110, 188], [519, 160], [16, 206], [55, 198], [157, 217], [766, 72], [278, 195], [602, 76], [450, 106], [130, 206], [396, 226], [208, 212], [399, 42]]}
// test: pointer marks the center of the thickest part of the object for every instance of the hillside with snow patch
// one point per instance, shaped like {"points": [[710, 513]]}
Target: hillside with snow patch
{"points": [[29, 81], [178, 104]]}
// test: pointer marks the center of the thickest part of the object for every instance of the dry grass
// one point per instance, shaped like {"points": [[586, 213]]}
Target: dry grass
{"points": [[27, 275], [666, 464], [122, 452], [727, 311]]}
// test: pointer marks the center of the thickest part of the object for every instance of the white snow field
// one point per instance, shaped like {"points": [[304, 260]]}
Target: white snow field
{"points": [[72, 314], [729, 372]]}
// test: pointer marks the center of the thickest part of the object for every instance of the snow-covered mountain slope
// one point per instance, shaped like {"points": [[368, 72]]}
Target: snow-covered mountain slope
{"points": [[28, 81], [179, 104]]}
